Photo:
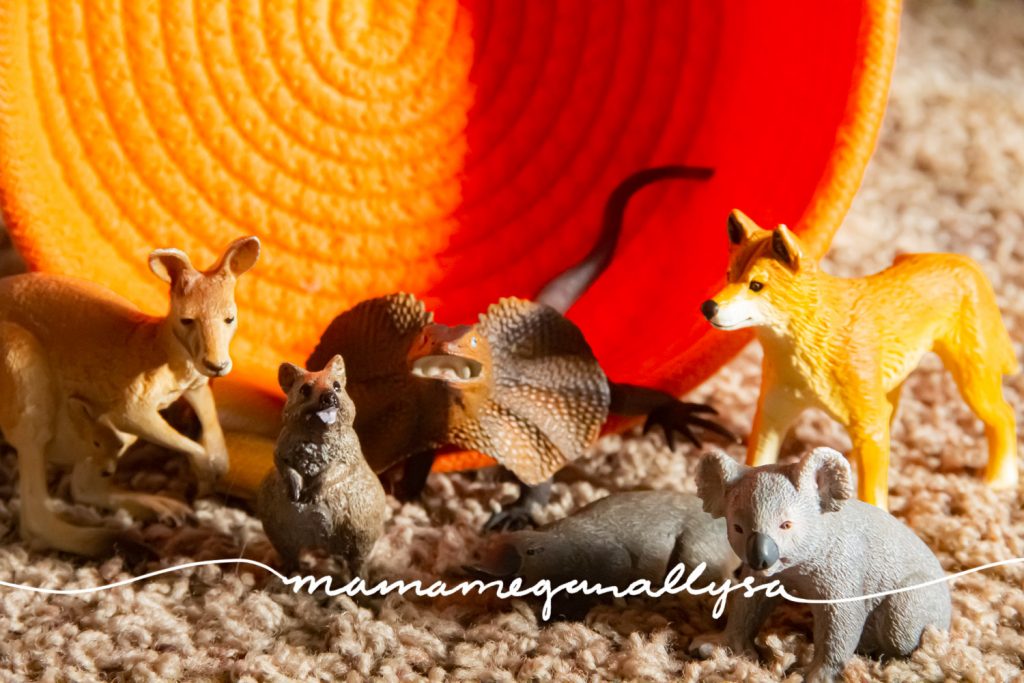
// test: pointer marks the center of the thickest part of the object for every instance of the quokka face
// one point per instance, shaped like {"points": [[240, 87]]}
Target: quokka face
{"points": [[316, 399]]}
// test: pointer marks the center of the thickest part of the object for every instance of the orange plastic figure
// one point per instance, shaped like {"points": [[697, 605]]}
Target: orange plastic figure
{"points": [[846, 345]]}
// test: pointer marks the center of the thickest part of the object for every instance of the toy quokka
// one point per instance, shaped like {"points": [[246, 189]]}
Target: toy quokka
{"points": [[615, 541], [795, 523], [846, 345], [73, 351], [521, 386], [321, 494]]}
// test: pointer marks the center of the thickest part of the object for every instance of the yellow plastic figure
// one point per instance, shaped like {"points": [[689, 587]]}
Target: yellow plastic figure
{"points": [[846, 345]]}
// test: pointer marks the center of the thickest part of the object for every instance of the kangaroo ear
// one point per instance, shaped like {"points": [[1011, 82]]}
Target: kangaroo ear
{"points": [[716, 472], [170, 265], [825, 473], [81, 409], [741, 227], [502, 558], [786, 247], [240, 256], [288, 374]]}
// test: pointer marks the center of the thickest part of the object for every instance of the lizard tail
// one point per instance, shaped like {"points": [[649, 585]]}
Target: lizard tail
{"points": [[565, 289]]}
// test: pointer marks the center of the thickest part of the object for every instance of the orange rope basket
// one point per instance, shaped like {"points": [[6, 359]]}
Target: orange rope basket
{"points": [[458, 150]]}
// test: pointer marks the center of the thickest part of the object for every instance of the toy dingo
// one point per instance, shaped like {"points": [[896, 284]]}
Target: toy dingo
{"points": [[81, 367], [846, 345]]}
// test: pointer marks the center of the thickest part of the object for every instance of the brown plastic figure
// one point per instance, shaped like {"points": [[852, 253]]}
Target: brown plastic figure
{"points": [[521, 386], [321, 494]]}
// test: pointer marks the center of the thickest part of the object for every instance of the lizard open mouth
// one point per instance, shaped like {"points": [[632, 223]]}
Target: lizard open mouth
{"points": [[447, 368]]}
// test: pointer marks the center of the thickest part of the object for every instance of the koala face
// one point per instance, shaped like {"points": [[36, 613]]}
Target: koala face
{"points": [[316, 399], [774, 512], [769, 521]]}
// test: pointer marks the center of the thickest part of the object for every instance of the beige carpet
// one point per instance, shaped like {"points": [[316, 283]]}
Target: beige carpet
{"points": [[948, 176]]}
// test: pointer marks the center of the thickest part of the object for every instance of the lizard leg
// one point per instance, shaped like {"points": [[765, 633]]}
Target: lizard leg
{"points": [[518, 515], [665, 410], [413, 478]]}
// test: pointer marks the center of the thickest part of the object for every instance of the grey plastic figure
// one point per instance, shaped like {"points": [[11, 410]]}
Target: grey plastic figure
{"points": [[321, 493], [615, 541], [797, 523]]}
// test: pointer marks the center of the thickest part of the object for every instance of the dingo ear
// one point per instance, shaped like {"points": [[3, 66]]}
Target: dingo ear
{"points": [[240, 256], [741, 227], [716, 472], [786, 247], [288, 374], [170, 265]]}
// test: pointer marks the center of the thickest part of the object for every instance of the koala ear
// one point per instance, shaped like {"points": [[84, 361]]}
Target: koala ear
{"points": [[741, 227], [826, 472], [786, 247], [716, 472], [287, 375]]}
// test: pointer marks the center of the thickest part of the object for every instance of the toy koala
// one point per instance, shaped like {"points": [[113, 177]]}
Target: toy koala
{"points": [[321, 494], [615, 541], [795, 523]]}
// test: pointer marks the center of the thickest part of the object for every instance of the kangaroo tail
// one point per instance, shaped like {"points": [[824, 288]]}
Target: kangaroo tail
{"points": [[565, 289]]}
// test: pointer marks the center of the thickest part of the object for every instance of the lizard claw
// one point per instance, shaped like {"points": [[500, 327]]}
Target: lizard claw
{"points": [[682, 417], [512, 518]]}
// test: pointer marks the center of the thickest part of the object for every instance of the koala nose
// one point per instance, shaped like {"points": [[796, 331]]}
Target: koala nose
{"points": [[328, 399], [761, 551], [219, 368], [709, 308]]}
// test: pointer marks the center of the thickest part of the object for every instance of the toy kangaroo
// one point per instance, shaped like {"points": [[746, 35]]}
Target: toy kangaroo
{"points": [[521, 386], [321, 494], [846, 345], [73, 351], [796, 524]]}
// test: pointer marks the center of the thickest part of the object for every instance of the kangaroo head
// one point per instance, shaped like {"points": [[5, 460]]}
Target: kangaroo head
{"points": [[203, 315], [766, 277], [774, 513]]}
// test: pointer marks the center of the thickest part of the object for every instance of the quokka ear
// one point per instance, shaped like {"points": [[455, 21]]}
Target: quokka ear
{"points": [[824, 473], [240, 256], [741, 227], [336, 367], [786, 247], [716, 472], [170, 265], [288, 374]]}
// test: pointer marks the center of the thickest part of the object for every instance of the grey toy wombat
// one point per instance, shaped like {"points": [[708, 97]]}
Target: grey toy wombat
{"points": [[321, 494], [796, 523], [615, 541]]}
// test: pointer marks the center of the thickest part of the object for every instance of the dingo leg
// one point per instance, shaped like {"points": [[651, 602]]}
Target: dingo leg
{"points": [[776, 412], [894, 401], [28, 414], [870, 437], [981, 386]]}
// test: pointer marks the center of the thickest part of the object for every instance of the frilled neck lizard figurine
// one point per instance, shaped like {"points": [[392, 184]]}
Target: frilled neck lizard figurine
{"points": [[521, 386]]}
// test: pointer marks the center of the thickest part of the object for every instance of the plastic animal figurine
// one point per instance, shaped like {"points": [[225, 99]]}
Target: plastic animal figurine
{"points": [[795, 523], [846, 345], [521, 386], [615, 541], [73, 351], [321, 494]]}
